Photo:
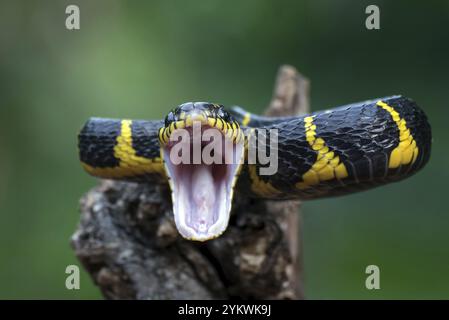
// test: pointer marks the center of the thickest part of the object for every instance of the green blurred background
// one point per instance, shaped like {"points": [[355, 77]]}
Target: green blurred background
{"points": [[139, 59]]}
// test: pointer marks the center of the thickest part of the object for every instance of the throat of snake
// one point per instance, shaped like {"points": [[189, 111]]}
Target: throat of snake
{"points": [[202, 192]]}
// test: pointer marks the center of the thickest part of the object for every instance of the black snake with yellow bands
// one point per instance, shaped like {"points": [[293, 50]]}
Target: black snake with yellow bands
{"points": [[327, 153]]}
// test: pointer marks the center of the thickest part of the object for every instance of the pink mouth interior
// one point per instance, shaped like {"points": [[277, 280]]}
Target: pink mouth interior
{"points": [[200, 189], [201, 192]]}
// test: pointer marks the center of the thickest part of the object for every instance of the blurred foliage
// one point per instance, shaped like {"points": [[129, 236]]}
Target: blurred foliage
{"points": [[138, 59]]}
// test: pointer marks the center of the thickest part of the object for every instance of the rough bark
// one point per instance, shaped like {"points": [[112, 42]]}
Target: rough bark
{"points": [[128, 242]]}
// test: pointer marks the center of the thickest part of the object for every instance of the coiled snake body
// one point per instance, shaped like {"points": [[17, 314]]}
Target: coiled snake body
{"points": [[327, 153]]}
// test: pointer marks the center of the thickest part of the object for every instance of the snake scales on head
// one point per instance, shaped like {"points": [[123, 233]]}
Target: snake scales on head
{"points": [[327, 153]]}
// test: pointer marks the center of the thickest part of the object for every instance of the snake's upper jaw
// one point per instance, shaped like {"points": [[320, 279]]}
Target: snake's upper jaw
{"points": [[202, 193]]}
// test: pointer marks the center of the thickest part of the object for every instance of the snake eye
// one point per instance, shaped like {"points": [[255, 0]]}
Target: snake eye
{"points": [[221, 114], [225, 116], [169, 118]]}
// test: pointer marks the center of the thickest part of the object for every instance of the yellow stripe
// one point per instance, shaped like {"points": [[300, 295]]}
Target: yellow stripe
{"points": [[107, 173], [161, 135], [130, 163], [260, 187], [407, 151], [230, 129], [246, 119], [327, 165]]}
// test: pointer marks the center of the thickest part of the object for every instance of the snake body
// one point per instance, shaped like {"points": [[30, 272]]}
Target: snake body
{"points": [[344, 150], [327, 153]]}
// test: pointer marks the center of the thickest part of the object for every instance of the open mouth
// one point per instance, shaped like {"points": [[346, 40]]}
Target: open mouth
{"points": [[202, 184]]}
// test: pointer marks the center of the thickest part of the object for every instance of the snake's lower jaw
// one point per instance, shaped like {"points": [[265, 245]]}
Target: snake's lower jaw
{"points": [[202, 194]]}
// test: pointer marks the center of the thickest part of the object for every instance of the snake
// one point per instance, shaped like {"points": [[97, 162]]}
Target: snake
{"points": [[333, 152]]}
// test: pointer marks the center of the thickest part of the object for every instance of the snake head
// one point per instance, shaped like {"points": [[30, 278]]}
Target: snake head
{"points": [[203, 148]]}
